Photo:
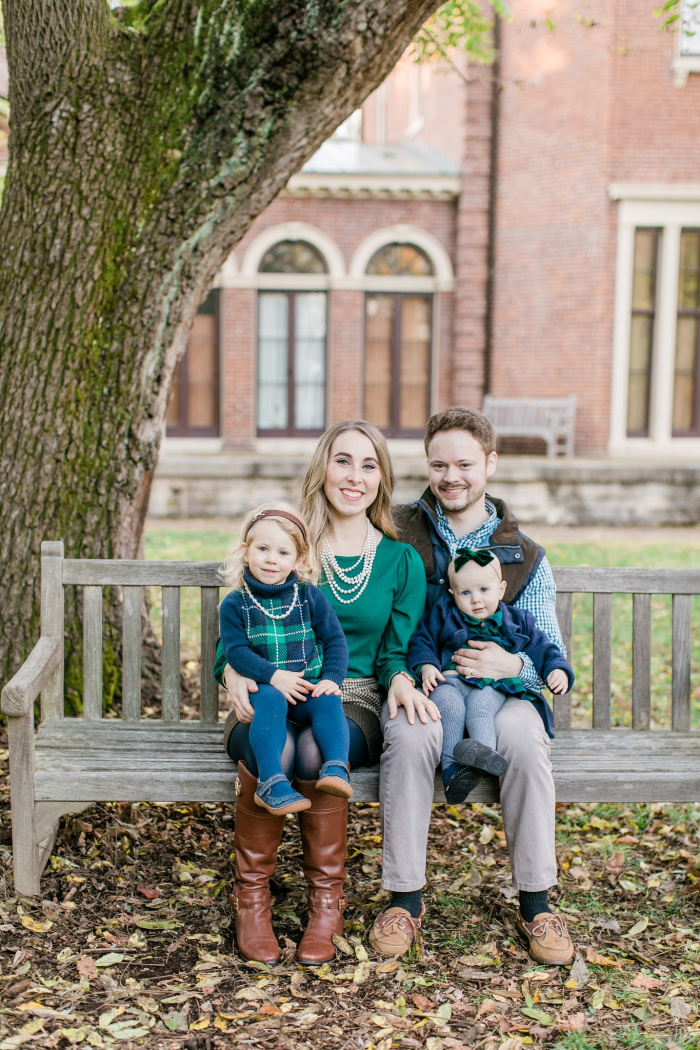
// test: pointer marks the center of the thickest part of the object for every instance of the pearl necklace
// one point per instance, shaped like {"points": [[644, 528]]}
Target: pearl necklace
{"points": [[333, 571], [272, 616]]}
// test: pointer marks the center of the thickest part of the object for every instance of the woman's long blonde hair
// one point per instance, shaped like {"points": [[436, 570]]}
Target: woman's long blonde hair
{"points": [[237, 559], [314, 504]]}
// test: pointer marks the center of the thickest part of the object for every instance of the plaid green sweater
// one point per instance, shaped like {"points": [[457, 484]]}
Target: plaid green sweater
{"points": [[309, 639]]}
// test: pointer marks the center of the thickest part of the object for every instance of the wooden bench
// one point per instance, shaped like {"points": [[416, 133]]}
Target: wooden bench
{"points": [[551, 418], [74, 762]]}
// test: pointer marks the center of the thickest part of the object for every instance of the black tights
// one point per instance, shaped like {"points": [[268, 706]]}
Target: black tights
{"points": [[301, 756]]}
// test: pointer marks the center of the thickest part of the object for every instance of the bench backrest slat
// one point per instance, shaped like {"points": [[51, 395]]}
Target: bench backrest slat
{"points": [[209, 634], [171, 654], [52, 622], [131, 654], [680, 689], [118, 572], [602, 659], [92, 653], [641, 661], [612, 580], [562, 701]]}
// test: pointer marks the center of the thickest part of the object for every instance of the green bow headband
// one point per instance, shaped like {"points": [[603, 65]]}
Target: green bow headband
{"points": [[481, 557]]}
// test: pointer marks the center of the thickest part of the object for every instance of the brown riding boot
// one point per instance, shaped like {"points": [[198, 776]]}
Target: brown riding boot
{"points": [[256, 838], [324, 835]]}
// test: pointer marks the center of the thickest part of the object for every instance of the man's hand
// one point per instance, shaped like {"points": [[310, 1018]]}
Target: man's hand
{"points": [[291, 684], [558, 681], [403, 694], [487, 660], [237, 690], [431, 675], [326, 688]]}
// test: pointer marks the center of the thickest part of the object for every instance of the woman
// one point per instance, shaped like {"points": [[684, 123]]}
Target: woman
{"points": [[376, 586]]}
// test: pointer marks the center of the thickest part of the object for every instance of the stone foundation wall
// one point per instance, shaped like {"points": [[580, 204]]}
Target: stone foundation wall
{"points": [[554, 492]]}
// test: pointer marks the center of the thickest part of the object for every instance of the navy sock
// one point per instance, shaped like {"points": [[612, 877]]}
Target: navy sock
{"points": [[410, 901], [447, 771], [532, 904]]}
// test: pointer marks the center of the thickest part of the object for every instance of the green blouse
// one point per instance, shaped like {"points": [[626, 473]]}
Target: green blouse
{"points": [[379, 624]]}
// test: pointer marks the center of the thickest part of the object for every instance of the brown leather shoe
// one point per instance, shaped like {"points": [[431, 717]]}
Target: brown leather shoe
{"points": [[324, 833], [395, 930], [256, 838], [547, 938]]}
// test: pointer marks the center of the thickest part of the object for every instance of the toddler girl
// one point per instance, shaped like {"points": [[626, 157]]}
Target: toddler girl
{"points": [[473, 609], [278, 629]]}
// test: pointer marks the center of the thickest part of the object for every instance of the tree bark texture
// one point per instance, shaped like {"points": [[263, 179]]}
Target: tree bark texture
{"points": [[143, 143]]}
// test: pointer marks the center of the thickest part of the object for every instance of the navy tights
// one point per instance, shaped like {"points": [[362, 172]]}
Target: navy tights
{"points": [[301, 755]]}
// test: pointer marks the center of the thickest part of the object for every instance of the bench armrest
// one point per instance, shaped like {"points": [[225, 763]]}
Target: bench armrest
{"points": [[22, 690]]}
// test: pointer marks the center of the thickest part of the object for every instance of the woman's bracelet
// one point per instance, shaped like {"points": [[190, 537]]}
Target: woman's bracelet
{"points": [[406, 674]]}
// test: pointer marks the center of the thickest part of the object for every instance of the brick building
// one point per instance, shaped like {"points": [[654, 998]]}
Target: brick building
{"points": [[531, 228]]}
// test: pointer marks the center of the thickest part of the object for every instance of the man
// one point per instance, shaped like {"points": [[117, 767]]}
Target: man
{"points": [[454, 512]]}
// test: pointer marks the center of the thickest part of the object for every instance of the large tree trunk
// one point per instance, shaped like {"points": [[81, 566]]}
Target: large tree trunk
{"points": [[141, 149]]}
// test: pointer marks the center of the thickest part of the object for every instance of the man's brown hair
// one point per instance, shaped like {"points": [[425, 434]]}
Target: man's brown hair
{"points": [[469, 419]]}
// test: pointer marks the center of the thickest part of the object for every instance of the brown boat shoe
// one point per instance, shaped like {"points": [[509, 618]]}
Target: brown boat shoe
{"points": [[394, 931], [547, 938]]}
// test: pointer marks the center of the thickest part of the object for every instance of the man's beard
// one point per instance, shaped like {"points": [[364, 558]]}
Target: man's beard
{"points": [[470, 497]]}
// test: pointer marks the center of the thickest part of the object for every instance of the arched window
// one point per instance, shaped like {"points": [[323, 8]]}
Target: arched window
{"points": [[293, 257], [193, 409], [398, 342], [292, 345], [400, 260]]}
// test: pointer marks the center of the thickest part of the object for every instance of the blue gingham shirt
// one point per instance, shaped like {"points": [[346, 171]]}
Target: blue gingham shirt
{"points": [[539, 597]]}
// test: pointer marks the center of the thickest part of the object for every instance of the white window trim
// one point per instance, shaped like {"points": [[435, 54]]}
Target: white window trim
{"points": [[671, 215], [684, 63]]}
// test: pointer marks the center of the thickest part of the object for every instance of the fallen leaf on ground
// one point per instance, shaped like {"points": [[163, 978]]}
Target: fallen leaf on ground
{"points": [[148, 891], [596, 959], [86, 967], [645, 980]]}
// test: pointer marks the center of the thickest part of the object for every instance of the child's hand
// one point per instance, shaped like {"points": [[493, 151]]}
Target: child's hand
{"points": [[326, 688], [431, 676], [558, 681], [291, 684]]}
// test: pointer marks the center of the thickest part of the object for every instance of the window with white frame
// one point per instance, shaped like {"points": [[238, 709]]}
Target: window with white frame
{"points": [[292, 344], [689, 43], [656, 369], [398, 342]]}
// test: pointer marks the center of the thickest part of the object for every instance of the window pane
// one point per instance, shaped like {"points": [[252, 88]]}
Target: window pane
{"points": [[415, 362], [379, 324], [689, 277], [646, 245], [644, 269], [684, 387], [273, 336], [202, 393], [686, 410], [640, 352], [293, 257], [400, 260], [310, 360]]}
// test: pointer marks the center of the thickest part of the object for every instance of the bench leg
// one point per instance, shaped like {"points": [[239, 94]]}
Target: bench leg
{"points": [[47, 816], [25, 844]]}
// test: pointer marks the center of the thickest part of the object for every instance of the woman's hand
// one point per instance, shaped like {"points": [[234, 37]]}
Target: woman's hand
{"points": [[291, 684], [237, 689], [326, 688], [431, 675], [558, 680], [403, 694], [487, 660]]}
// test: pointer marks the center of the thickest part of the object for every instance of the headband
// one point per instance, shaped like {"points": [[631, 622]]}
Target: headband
{"points": [[465, 555], [278, 514]]}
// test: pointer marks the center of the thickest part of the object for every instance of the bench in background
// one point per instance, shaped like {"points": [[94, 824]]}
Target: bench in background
{"points": [[74, 762], [551, 418]]}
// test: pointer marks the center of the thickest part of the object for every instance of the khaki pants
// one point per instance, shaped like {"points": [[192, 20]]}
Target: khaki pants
{"points": [[407, 768]]}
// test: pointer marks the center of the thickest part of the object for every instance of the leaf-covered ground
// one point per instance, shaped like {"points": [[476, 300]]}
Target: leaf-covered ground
{"points": [[132, 942]]}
